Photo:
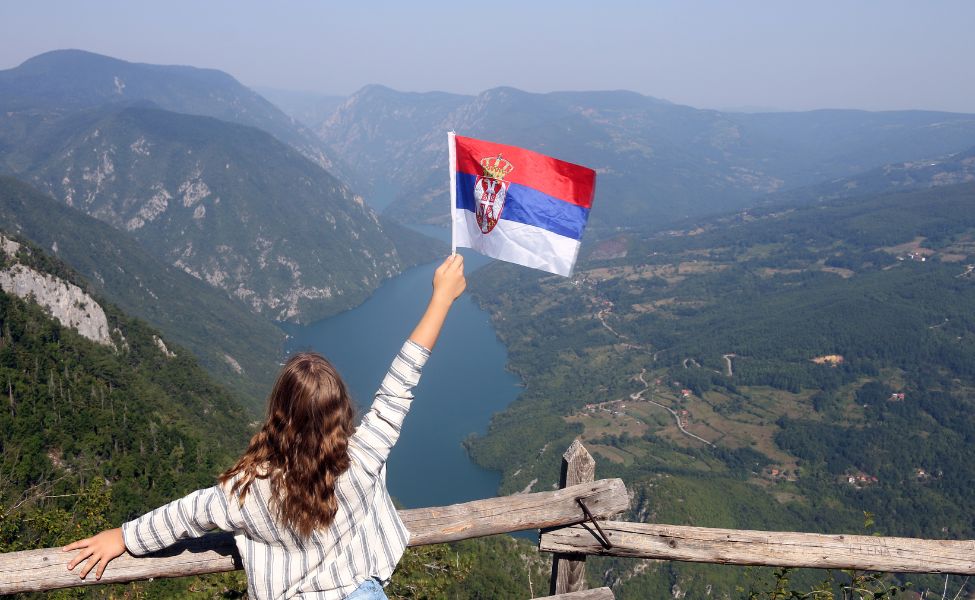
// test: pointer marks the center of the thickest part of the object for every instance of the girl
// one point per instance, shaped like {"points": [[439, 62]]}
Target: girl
{"points": [[307, 501]]}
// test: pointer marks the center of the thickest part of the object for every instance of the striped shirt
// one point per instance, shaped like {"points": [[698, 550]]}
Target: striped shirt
{"points": [[366, 538]]}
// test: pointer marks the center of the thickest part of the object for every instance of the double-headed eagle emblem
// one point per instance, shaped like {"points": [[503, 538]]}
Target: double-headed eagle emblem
{"points": [[490, 191]]}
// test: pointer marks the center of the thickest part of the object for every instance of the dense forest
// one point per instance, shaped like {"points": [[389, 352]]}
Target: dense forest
{"points": [[94, 434], [824, 351]]}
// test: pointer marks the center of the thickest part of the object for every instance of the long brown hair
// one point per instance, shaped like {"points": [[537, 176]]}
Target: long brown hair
{"points": [[302, 446]]}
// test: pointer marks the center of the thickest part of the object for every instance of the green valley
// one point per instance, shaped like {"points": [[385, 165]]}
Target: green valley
{"points": [[802, 364], [780, 368]]}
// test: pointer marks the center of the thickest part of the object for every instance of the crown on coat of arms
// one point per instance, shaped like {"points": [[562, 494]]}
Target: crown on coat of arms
{"points": [[496, 167]]}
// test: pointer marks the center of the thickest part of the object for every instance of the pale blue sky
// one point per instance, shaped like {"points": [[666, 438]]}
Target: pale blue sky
{"points": [[891, 54]]}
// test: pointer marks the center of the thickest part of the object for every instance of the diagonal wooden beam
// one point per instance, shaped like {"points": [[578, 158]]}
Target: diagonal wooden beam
{"points": [[766, 548], [46, 569]]}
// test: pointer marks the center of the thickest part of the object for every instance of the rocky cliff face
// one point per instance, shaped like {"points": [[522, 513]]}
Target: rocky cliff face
{"points": [[66, 302]]}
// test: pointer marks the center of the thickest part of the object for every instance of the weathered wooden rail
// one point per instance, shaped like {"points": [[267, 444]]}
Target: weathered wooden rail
{"points": [[574, 524], [764, 548], [38, 570]]}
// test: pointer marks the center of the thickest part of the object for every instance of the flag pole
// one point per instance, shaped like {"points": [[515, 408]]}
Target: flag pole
{"points": [[452, 154]]}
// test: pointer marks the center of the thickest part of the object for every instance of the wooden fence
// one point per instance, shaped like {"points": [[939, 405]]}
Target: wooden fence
{"points": [[574, 523]]}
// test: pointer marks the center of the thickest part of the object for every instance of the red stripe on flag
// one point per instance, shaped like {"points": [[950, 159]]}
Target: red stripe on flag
{"points": [[556, 178]]}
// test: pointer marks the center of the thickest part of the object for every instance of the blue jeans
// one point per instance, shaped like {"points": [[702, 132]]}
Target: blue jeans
{"points": [[370, 589]]}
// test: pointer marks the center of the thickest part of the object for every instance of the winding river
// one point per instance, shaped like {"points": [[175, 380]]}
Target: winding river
{"points": [[463, 383]]}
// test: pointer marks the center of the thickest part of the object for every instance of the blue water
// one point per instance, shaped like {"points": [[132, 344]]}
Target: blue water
{"points": [[462, 385]]}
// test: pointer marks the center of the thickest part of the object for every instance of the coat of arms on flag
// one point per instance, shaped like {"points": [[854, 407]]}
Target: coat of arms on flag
{"points": [[518, 205], [490, 191]]}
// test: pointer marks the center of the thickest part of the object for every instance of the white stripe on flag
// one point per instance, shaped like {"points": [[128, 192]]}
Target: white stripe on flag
{"points": [[516, 242]]}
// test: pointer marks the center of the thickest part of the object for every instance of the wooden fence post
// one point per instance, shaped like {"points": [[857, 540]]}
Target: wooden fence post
{"points": [[569, 570]]}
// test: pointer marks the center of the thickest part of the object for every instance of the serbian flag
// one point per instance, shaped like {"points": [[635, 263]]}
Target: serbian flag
{"points": [[518, 205]]}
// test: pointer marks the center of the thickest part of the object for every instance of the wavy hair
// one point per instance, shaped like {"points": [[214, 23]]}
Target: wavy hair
{"points": [[302, 446]]}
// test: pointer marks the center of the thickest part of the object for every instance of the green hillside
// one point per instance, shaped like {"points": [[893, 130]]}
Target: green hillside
{"points": [[218, 330], [92, 434], [926, 172], [823, 353]]}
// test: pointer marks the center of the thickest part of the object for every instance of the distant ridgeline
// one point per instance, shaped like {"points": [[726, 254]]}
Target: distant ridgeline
{"points": [[658, 162], [102, 417], [65, 81], [827, 350]]}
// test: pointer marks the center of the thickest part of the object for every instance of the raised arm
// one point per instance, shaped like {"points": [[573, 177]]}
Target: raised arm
{"points": [[448, 285], [380, 426]]}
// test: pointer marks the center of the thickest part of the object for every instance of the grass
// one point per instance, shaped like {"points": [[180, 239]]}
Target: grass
{"points": [[745, 420], [700, 267], [757, 251], [611, 454]]}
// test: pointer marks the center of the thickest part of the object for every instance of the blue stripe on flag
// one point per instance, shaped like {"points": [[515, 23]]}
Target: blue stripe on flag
{"points": [[531, 207]]}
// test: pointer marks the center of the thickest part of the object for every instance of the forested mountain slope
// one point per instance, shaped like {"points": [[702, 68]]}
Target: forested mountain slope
{"points": [[773, 369], [95, 431], [197, 167], [657, 162], [238, 348], [97, 427], [228, 204]]}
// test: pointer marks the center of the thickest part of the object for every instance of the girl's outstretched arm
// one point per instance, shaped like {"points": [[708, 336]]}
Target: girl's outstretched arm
{"points": [[448, 285], [190, 516]]}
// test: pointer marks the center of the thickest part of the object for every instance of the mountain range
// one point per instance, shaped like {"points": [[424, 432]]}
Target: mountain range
{"points": [[160, 219], [228, 203], [63, 81], [657, 162]]}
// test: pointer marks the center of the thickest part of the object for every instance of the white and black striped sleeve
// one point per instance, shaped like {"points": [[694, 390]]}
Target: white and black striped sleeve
{"points": [[190, 516], [381, 425]]}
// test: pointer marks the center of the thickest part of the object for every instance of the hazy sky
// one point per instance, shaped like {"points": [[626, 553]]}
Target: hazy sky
{"points": [[888, 54]]}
